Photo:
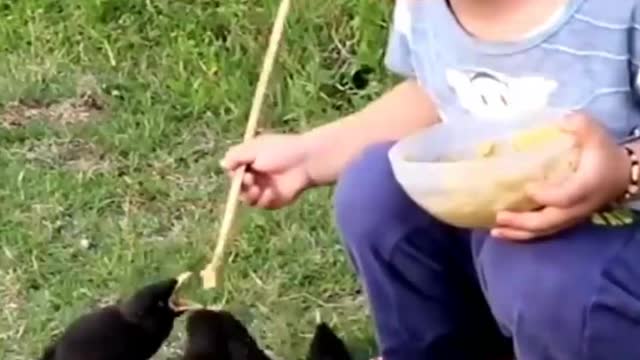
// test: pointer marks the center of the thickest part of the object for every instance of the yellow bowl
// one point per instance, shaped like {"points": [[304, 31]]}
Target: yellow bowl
{"points": [[464, 173]]}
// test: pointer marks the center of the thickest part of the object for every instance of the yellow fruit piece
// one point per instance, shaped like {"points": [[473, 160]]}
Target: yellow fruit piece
{"points": [[520, 142], [527, 140], [486, 149]]}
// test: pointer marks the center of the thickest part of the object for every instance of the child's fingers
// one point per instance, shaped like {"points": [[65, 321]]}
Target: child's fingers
{"points": [[512, 234], [238, 155], [535, 224], [525, 235], [536, 221], [250, 194], [249, 179], [248, 200], [266, 199], [582, 127], [566, 194], [253, 194]]}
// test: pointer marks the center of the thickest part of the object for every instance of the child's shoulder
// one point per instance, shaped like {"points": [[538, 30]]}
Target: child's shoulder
{"points": [[605, 12], [409, 12]]}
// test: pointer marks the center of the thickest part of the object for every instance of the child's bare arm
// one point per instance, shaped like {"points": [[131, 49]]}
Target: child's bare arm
{"points": [[282, 166], [398, 113]]}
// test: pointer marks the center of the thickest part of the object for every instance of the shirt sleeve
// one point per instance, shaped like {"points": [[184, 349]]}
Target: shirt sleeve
{"points": [[398, 54]]}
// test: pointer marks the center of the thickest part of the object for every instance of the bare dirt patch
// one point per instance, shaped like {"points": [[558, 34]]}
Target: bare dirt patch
{"points": [[71, 154], [79, 109]]}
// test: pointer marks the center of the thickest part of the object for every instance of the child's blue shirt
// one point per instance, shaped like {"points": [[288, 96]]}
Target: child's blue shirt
{"points": [[587, 58]]}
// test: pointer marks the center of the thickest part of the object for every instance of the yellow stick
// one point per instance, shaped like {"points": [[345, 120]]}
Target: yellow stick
{"points": [[212, 274]]}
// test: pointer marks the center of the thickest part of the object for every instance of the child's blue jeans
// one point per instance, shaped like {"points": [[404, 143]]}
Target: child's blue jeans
{"points": [[435, 290]]}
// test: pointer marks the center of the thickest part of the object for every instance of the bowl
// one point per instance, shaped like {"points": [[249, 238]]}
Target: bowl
{"points": [[464, 173]]}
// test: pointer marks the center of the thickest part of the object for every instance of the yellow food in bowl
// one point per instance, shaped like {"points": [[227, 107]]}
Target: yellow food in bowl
{"points": [[522, 141], [475, 189], [463, 173]]}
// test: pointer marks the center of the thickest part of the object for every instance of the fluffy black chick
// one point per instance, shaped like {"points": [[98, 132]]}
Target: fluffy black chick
{"points": [[219, 335], [133, 329], [326, 345]]}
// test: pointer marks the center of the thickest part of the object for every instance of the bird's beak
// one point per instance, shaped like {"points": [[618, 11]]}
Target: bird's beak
{"points": [[181, 305]]}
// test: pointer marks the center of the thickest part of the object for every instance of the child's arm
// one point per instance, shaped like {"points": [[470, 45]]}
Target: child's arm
{"points": [[283, 166], [400, 112]]}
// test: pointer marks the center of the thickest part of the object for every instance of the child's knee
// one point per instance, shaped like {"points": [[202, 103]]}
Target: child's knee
{"points": [[540, 303], [367, 196], [544, 293]]}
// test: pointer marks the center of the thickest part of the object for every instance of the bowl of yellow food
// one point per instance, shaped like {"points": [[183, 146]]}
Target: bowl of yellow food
{"points": [[464, 173]]}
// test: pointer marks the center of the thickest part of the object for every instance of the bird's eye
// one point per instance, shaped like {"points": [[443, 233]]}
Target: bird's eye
{"points": [[161, 303]]}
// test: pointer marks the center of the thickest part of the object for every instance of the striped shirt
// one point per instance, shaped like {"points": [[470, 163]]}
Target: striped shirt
{"points": [[585, 58]]}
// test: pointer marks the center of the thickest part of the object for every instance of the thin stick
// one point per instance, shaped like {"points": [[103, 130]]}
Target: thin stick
{"points": [[212, 274]]}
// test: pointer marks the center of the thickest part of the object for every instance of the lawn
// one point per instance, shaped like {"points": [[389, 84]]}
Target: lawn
{"points": [[113, 116]]}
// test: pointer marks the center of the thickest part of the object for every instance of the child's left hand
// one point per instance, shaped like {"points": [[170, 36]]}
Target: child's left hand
{"points": [[602, 176]]}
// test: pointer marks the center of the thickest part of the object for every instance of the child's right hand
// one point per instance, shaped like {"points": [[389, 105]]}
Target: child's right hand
{"points": [[276, 172]]}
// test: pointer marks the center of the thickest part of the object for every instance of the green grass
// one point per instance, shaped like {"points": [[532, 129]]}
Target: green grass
{"points": [[90, 210]]}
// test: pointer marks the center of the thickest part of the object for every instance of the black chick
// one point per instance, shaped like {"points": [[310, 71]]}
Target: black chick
{"points": [[133, 329], [326, 345], [219, 335]]}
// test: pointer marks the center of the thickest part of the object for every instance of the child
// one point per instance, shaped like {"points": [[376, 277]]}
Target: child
{"points": [[439, 292]]}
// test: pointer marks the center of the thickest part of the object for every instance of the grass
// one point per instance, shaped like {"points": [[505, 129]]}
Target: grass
{"points": [[100, 196]]}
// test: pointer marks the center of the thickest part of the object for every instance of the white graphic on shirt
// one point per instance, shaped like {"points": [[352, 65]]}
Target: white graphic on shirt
{"points": [[488, 95]]}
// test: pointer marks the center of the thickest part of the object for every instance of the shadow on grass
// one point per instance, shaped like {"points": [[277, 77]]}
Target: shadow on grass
{"points": [[363, 348]]}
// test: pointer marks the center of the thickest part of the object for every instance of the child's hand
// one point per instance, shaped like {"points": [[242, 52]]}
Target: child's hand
{"points": [[275, 175], [602, 177]]}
